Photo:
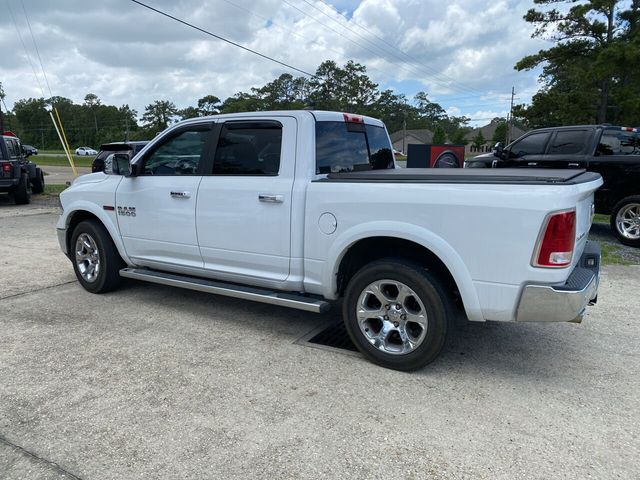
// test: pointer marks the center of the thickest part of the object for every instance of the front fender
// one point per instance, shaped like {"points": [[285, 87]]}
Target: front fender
{"points": [[108, 219], [406, 231]]}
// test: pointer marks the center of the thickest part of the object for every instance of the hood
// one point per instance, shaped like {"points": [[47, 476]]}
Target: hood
{"points": [[89, 178]]}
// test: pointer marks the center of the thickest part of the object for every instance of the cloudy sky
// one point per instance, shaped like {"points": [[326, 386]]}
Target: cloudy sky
{"points": [[461, 52]]}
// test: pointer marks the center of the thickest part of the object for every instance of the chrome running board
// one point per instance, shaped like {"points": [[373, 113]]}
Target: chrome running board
{"points": [[273, 297]]}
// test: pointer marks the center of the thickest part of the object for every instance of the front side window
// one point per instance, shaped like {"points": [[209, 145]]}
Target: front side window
{"points": [[346, 147], [569, 142], [619, 142], [179, 155], [248, 148], [533, 144]]}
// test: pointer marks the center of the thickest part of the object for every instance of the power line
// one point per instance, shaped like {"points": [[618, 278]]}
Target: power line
{"points": [[33, 38], [223, 39], [420, 68], [24, 46]]}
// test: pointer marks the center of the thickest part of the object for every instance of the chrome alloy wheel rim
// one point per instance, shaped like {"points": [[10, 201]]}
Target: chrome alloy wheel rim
{"points": [[392, 317], [628, 221], [87, 257]]}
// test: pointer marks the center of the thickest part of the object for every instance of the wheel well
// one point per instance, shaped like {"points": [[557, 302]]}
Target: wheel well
{"points": [[369, 249], [76, 218]]}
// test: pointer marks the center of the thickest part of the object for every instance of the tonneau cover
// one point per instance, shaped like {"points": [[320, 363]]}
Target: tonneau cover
{"points": [[471, 175]]}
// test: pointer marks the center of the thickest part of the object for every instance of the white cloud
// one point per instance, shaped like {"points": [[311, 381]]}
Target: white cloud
{"points": [[461, 52]]}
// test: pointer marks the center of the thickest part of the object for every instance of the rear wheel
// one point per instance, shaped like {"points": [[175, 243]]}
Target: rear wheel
{"points": [[95, 258], [37, 183], [625, 221], [397, 314], [22, 191]]}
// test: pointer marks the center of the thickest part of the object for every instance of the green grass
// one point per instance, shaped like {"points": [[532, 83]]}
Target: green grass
{"points": [[611, 255], [62, 161], [600, 218], [53, 190]]}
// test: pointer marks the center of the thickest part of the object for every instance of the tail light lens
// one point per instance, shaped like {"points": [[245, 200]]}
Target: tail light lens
{"points": [[6, 167], [555, 245]]}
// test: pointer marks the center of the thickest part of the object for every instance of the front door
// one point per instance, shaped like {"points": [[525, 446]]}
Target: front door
{"points": [[244, 205], [157, 209]]}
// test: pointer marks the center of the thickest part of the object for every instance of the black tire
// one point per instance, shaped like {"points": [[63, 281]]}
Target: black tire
{"points": [[22, 191], [37, 183], [107, 277], [632, 205], [447, 160], [429, 290]]}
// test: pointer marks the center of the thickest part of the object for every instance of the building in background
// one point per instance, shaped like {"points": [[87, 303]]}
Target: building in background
{"points": [[419, 137]]}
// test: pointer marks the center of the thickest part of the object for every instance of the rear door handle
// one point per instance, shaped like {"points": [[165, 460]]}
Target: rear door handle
{"points": [[175, 194], [574, 164], [532, 164], [270, 198]]}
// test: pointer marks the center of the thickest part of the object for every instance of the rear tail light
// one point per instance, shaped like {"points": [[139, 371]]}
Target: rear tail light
{"points": [[6, 167], [557, 241]]}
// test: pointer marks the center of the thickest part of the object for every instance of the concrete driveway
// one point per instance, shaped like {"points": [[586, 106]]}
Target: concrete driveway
{"points": [[153, 382], [62, 175]]}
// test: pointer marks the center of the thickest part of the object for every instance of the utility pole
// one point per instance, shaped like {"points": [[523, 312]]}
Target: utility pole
{"points": [[404, 128], [510, 119]]}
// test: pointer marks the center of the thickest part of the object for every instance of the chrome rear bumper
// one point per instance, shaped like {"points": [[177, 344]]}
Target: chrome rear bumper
{"points": [[566, 302]]}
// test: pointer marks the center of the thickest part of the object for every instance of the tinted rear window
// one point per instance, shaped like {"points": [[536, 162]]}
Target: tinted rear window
{"points": [[343, 147], [569, 142]]}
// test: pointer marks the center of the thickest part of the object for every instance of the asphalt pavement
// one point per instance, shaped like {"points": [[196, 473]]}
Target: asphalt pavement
{"points": [[62, 175], [154, 382]]}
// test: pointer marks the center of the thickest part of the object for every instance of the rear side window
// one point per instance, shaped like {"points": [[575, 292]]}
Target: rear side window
{"points": [[349, 147], [533, 144], [248, 148], [569, 142], [13, 148], [618, 142]]}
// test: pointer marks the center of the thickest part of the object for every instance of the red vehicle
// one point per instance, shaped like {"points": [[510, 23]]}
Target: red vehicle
{"points": [[435, 156]]}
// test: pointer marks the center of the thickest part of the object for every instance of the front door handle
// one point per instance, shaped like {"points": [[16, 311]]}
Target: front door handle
{"points": [[175, 194], [270, 198], [574, 164], [532, 164]]}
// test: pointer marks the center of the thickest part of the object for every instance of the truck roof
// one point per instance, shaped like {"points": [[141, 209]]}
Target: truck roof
{"points": [[603, 126], [318, 115]]}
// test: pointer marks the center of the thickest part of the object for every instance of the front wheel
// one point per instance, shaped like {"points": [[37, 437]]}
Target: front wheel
{"points": [[397, 314], [22, 191], [625, 221], [96, 260]]}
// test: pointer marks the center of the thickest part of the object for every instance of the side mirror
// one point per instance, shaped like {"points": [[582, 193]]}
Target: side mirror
{"points": [[498, 149], [26, 153], [120, 164]]}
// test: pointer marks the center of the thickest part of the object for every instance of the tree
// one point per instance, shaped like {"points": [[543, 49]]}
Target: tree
{"points": [[459, 137], [439, 136], [188, 112], [590, 73], [159, 114], [478, 140], [500, 133], [2, 95], [209, 105]]}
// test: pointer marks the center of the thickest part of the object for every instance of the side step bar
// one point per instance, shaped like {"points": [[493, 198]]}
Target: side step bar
{"points": [[228, 289]]}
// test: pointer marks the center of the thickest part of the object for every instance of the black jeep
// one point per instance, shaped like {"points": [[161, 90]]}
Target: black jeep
{"points": [[18, 176]]}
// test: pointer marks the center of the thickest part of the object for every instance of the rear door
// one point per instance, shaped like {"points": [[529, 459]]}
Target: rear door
{"points": [[617, 159], [157, 209], [568, 149], [244, 202]]}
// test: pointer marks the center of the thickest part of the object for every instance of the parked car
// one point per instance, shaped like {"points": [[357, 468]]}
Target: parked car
{"points": [[301, 208], [30, 149], [613, 152], [107, 150], [85, 151], [19, 177]]}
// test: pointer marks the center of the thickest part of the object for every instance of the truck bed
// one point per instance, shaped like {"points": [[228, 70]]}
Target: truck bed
{"points": [[469, 176]]}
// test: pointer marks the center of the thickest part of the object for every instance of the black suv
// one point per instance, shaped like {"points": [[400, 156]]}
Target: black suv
{"points": [[613, 152], [18, 176], [108, 149]]}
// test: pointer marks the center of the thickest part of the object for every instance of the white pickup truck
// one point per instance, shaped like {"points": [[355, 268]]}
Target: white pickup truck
{"points": [[301, 208]]}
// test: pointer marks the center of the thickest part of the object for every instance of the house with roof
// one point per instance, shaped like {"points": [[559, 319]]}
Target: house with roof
{"points": [[487, 133], [401, 139]]}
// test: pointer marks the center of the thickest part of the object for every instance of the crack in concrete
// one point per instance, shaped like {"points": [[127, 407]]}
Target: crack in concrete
{"points": [[37, 290], [59, 469]]}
